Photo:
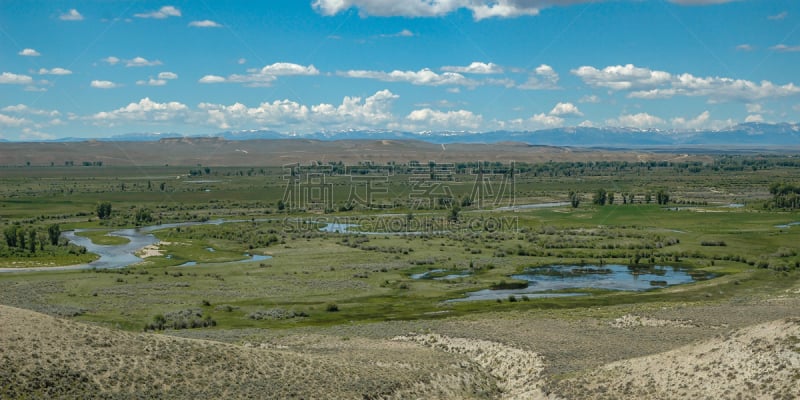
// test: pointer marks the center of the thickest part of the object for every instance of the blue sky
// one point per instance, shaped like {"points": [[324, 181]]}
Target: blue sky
{"points": [[101, 68]]}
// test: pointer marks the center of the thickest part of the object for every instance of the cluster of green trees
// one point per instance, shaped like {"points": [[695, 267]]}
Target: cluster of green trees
{"points": [[103, 210], [602, 197], [29, 239], [784, 195]]}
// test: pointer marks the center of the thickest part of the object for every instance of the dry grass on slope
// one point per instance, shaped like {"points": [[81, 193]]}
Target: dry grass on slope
{"points": [[761, 361], [46, 357]]}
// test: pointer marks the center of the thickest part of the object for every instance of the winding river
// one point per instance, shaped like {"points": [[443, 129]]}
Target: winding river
{"points": [[120, 256]]}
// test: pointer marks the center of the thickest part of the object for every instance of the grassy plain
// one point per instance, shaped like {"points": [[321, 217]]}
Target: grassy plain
{"points": [[323, 286]]}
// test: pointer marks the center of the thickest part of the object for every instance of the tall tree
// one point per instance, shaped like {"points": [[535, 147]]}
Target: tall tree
{"points": [[53, 233], [600, 197], [11, 235], [103, 210]]}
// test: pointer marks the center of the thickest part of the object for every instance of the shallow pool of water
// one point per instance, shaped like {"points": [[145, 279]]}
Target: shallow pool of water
{"points": [[545, 280], [434, 274]]}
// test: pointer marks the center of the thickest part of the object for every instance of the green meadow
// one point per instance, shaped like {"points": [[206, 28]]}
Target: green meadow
{"points": [[719, 221]]}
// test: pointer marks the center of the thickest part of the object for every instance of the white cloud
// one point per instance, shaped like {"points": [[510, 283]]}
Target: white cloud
{"points": [[566, 109], [152, 82], [103, 84], [241, 61], [778, 17], [145, 110], [264, 76], [167, 75], [9, 121], [549, 121], [141, 62], [644, 83], [9, 78], [754, 118], [353, 112], [543, 78], [449, 120], [212, 79], [640, 120], [163, 12], [54, 71], [403, 33], [481, 9], [782, 48], [277, 113], [796, 107], [29, 53], [374, 111], [698, 122], [745, 47], [23, 109], [206, 23], [476, 68], [589, 99], [425, 77], [111, 60], [622, 77], [71, 15]]}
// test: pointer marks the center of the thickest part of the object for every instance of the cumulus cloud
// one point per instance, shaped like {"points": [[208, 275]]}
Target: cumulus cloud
{"points": [[481, 9], [54, 71], [424, 77], [145, 110], [745, 47], [460, 119], [373, 111], [644, 83], [206, 23], [167, 75], [103, 84], [22, 109], [353, 112], [544, 77], [566, 109], [9, 121], [141, 62], [212, 79], [754, 118], [277, 113], [9, 78], [640, 120], [29, 53], [71, 15], [111, 60], [476, 68], [152, 82], [621, 77], [782, 48], [264, 76], [698, 122], [162, 13], [549, 121]]}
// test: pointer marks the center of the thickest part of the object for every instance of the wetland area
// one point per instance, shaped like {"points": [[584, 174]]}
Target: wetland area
{"points": [[538, 280]]}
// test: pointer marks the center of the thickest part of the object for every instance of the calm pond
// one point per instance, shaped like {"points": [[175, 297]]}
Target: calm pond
{"points": [[543, 281]]}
